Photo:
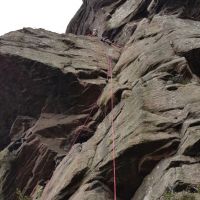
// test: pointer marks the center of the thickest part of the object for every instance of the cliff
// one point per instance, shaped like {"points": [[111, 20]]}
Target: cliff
{"points": [[74, 109]]}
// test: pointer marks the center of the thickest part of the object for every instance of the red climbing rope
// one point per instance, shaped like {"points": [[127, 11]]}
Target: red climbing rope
{"points": [[113, 129], [117, 45], [80, 130], [109, 75]]}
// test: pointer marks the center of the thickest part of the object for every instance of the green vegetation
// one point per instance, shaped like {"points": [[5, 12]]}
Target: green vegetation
{"points": [[168, 195], [21, 196], [184, 195], [39, 191], [198, 189], [188, 197], [172, 196]]}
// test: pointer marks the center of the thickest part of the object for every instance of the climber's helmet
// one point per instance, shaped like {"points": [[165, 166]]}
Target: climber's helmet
{"points": [[94, 32]]}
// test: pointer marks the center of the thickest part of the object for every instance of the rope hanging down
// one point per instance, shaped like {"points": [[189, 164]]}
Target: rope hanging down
{"points": [[110, 74], [80, 130]]}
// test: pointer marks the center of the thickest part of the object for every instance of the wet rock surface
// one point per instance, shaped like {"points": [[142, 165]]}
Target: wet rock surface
{"points": [[56, 97]]}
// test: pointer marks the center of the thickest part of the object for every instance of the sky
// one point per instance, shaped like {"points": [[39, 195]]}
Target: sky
{"points": [[53, 15]]}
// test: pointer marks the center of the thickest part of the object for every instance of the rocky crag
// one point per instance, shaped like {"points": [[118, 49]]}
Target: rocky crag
{"points": [[56, 105]]}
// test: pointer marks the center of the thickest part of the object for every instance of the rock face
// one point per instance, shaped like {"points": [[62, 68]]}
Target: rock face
{"points": [[50, 88], [59, 101]]}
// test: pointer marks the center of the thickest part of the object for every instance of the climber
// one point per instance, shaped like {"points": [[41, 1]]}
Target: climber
{"points": [[105, 38], [94, 32]]}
